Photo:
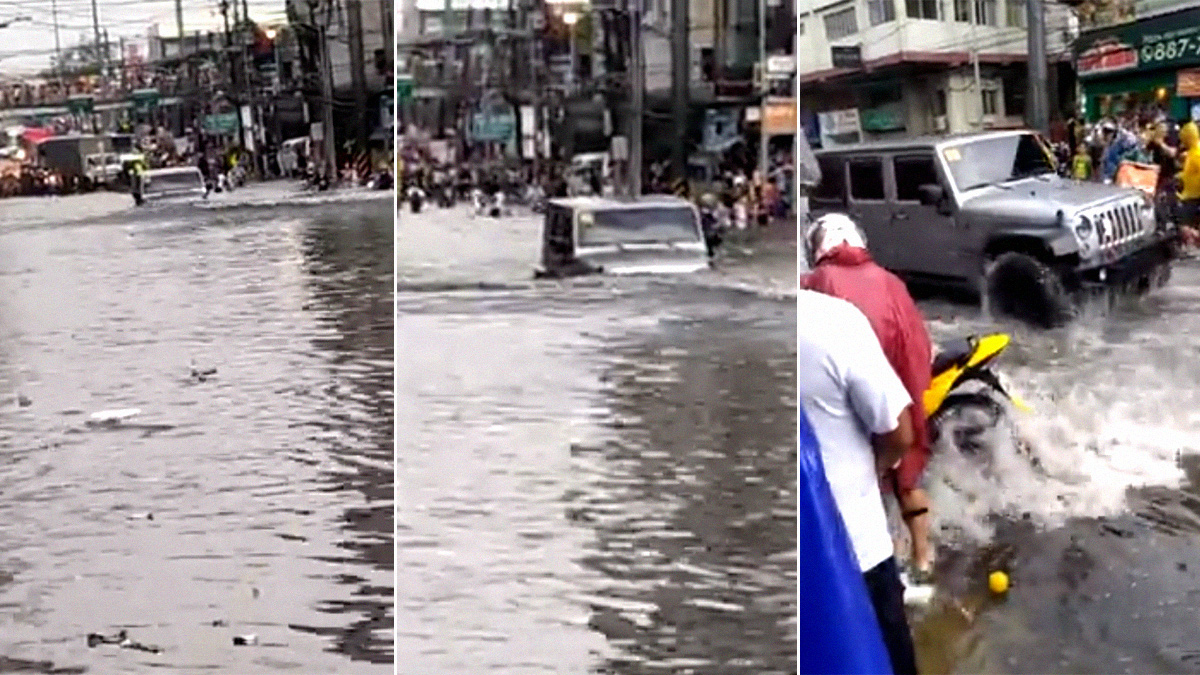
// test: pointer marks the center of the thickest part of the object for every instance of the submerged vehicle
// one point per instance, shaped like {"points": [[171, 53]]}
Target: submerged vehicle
{"points": [[176, 183], [593, 235], [966, 398]]}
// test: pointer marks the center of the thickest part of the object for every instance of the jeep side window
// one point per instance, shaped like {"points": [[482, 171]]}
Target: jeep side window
{"points": [[866, 180], [911, 173], [832, 188]]}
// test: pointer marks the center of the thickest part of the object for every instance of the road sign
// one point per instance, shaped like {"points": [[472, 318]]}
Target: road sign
{"points": [[404, 88], [221, 123]]}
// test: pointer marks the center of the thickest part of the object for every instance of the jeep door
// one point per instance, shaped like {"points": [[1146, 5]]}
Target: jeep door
{"points": [[868, 206], [929, 240]]}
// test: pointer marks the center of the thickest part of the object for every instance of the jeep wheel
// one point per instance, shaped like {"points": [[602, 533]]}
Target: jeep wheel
{"points": [[1025, 288]]}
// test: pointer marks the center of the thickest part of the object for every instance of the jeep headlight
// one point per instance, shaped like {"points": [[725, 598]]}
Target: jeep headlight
{"points": [[1086, 233]]}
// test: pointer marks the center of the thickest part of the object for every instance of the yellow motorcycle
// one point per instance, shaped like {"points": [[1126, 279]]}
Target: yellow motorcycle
{"points": [[965, 397]]}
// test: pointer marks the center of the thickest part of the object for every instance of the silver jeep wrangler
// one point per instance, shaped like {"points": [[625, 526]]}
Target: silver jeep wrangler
{"points": [[989, 212]]}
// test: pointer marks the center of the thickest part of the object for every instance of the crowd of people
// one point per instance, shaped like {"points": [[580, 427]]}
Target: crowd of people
{"points": [[1145, 138]]}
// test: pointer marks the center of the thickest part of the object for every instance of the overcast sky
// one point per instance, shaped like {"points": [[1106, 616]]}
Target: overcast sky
{"points": [[27, 47]]}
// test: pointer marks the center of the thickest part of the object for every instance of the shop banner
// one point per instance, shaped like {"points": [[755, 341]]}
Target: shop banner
{"points": [[1187, 83], [779, 116], [1165, 41]]}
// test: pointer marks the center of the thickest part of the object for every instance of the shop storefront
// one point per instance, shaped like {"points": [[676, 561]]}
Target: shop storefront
{"points": [[1150, 63]]}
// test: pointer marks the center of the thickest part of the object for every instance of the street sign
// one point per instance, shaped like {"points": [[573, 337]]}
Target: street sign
{"points": [[495, 127], [781, 64], [221, 123], [81, 104], [404, 87], [144, 99]]}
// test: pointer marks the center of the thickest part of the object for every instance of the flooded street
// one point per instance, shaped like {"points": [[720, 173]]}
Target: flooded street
{"points": [[252, 494], [1099, 536], [596, 475]]}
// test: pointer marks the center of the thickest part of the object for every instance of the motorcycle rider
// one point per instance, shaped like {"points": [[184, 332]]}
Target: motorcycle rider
{"points": [[842, 267]]}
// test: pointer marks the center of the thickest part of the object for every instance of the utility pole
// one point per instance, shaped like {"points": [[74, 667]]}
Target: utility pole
{"points": [[57, 45], [358, 73], [1039, 107], [179, 21], [535, 25], [975, 60], [327, 88], [680, 82], [96, 28], [764, 138], [637, 95]]}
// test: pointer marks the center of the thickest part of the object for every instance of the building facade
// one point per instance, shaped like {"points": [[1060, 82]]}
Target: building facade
{"points": [[1135, 59], [915, 67]]}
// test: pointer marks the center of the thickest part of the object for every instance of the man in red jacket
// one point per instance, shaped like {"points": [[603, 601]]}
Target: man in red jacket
{"points": [[842, 267]]}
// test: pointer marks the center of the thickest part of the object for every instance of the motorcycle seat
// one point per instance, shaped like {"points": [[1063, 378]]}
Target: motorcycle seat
{"points": [[953, 353]]}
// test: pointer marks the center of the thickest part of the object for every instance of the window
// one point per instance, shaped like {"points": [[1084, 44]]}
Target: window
{"points": [[1013, 92], [841, 23], [985, 12], [962, 10], [881, 11], [990, 98], [939, 103], [832, 188], [923, 9], [1016, 13], [911, 173], [866, 179]]}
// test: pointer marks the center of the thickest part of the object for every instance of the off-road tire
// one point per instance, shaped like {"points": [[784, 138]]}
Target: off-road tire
{"points": [[1025, 288]]}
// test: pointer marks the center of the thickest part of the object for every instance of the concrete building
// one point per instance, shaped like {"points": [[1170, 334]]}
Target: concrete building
{"points": [[908, 67]]}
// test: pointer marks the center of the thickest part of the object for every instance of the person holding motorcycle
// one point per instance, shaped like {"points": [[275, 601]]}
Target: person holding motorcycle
{"points": [[842, 267]]}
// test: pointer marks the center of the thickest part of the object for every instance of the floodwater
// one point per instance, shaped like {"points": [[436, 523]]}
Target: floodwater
{"points": [[253, 501], [1101, 534], [594, 476]]}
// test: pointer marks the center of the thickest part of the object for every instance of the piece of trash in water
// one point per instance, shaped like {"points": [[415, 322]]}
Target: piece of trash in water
{"points": [[113, 416], [202, 374], [141, 516], [121, 639], [217, 623], [245, 640], [23, 401]]}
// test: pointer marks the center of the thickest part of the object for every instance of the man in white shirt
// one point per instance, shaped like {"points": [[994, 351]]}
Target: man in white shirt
{"points": [[859, 410]]}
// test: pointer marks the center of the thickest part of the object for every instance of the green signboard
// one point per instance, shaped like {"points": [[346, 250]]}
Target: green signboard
{"points": [[221, 123], [404, 88], [881, 119], [144, 99], [81, 105], [1164, 41], [497, 127]]}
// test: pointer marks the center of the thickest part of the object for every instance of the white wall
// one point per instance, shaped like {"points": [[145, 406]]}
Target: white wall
{"points": [[918, 35]]}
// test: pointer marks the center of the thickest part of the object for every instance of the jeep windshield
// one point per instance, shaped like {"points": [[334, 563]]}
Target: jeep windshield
{"points": [[995, 161], [639, 225]]}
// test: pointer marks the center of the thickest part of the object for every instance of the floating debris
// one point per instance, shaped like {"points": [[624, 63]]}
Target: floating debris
{"points": [[245, 640], [112, 417], [122, 640]]}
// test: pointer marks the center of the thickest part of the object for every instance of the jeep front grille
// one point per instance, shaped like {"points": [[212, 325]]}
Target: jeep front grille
{"points": [[1119, 223]]}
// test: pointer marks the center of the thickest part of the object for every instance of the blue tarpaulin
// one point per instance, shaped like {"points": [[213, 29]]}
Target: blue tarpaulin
{"points": [[839, 634]]}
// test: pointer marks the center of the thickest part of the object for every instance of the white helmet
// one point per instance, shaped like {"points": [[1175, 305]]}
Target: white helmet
{"points": [[830, 231]]}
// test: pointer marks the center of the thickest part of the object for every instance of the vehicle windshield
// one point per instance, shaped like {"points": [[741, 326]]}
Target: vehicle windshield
{"points": [[993, 161], [653, 224], [121, 143], [181, 180]]}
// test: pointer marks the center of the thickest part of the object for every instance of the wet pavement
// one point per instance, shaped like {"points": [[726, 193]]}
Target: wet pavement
{"points": [[1100, 536], [597, 475], [252, 495]]}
